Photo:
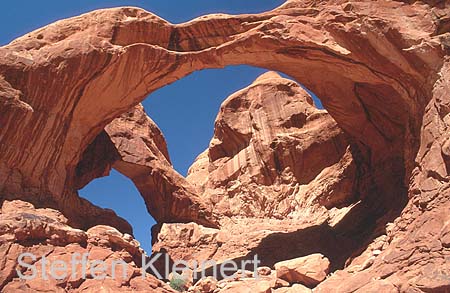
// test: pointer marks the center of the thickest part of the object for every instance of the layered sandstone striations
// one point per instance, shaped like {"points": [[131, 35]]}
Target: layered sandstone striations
{"points": [[381, 69], [278, 173], [269, 142]]}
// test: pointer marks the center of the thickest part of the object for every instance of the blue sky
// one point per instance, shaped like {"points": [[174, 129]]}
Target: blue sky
{"points": [[21, 16], [185, 111]]}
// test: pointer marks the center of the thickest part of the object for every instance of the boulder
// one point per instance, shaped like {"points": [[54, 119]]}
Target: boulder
{"points": [[309, 270]]}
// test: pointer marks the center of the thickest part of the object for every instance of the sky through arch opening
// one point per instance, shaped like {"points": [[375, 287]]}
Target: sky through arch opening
{"points": [[185, 112]]}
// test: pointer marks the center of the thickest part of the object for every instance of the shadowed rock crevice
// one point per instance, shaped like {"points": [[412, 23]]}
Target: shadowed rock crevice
{"points": [[97, 160]]}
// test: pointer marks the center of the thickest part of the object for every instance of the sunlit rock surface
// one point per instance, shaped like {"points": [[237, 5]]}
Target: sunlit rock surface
{"points": [[381, 69]]}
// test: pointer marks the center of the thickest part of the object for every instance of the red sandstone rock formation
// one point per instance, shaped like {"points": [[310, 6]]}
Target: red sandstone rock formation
{"points": [[309, 270], [275, 166], [269, 141], [381, 69], [144, 159], [45, 233]]}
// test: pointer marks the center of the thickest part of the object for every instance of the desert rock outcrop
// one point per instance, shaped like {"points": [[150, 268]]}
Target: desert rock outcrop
{"points": [[269, 142], [45, 235], [277, 168], [144, 159], [381, 69], [308, 270]]}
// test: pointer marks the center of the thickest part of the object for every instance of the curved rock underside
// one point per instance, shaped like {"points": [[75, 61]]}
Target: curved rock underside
{"points": [[365, 183]]}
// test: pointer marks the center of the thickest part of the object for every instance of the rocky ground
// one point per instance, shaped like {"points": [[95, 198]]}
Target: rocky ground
{"points": [[354, 198]]}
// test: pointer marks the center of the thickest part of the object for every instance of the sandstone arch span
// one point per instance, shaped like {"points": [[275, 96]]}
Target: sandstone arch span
{"points": [[383, 76], [67, 81]]}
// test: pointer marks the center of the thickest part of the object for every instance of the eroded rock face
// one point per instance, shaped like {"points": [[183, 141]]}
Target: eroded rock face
{"points": [[277, 172], [45, 233], [134, 145], [94, 73], [145, 160], [269, 141], [381, 69]]}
